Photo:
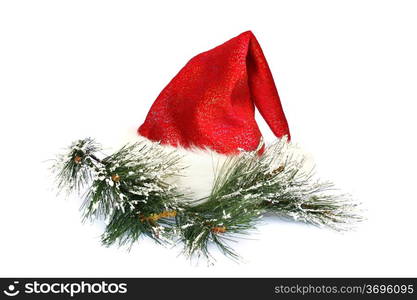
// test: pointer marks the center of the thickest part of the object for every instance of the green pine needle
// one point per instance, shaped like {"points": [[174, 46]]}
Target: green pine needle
{"points": [[130, 190]]}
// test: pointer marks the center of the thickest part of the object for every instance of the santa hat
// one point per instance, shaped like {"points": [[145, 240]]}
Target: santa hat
{"points": [[210, 105], [206, 116], [211, 102]]}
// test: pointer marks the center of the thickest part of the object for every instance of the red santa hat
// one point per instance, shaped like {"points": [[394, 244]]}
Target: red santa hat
{"points": [[210, 103]]}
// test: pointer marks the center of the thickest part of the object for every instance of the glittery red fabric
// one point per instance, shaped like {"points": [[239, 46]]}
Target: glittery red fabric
{"points": [[211, 102]]}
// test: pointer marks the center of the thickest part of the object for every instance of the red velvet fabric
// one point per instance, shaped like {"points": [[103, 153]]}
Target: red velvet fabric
{"points": [[211, 102]]}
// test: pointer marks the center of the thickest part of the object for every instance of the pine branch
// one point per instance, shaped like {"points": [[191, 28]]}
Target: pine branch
{"points": [[130, 190], [291, 190], [135, 175], [74, 168], [125, 188], [225, 215], [250, 185], [127, 226]]}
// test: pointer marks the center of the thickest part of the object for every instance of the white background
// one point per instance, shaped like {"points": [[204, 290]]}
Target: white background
{"points": [[346, 72]]}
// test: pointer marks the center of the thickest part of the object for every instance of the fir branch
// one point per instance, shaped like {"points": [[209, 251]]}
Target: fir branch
{"points": [[135, 175], [74, 168], [291, 190], [224, 216], [130, 190], [127, 188], [249, 185], [127, 226]]}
